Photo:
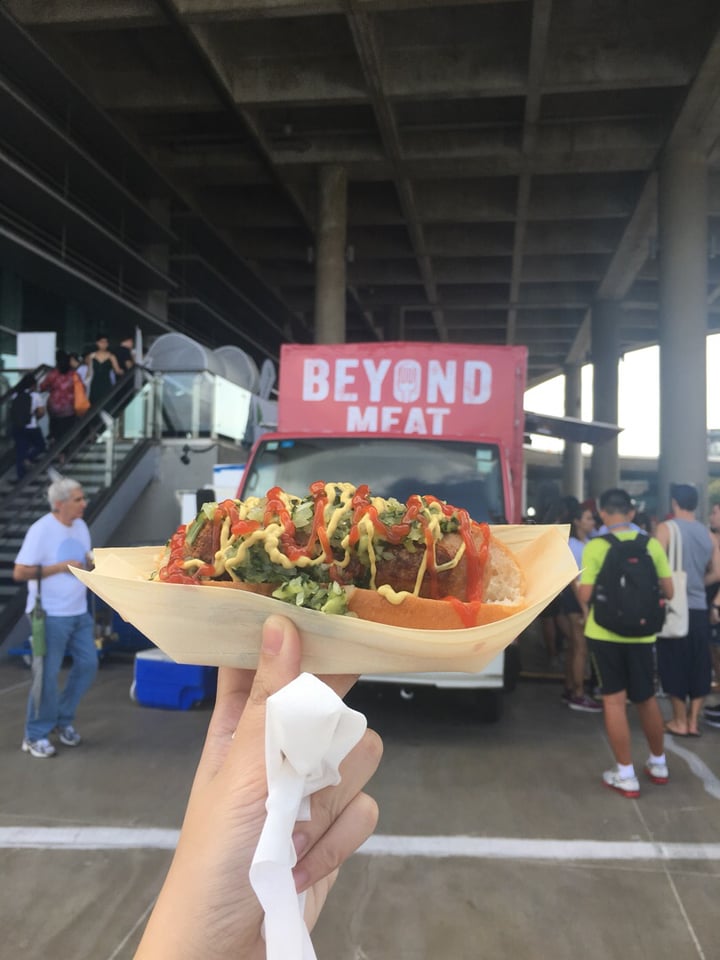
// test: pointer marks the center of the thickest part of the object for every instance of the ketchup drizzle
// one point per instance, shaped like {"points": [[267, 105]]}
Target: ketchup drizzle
{"points": [[476, 555]]}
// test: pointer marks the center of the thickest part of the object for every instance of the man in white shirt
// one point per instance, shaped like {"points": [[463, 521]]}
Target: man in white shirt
{"points": [[54, 543]]}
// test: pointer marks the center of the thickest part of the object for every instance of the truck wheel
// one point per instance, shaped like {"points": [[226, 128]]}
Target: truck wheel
{"points": [[511, 667], [489, 705]]}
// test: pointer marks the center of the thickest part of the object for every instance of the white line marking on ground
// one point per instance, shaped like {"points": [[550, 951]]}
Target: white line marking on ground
{"points": [[511, 848], [664, 867], [136, 926], [15, 686], [88, 838], [383, 845], [710, 782]]}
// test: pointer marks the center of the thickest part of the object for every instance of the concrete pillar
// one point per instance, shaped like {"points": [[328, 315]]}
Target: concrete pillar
{"points": [[682, 242], [331, 236], [604, 324], [572, 457]]}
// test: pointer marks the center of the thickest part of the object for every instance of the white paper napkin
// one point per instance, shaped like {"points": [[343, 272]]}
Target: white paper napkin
{"points": [[308, 732]]}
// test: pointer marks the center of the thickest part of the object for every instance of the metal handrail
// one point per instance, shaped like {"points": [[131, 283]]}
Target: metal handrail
{"points": [[141, 416]]}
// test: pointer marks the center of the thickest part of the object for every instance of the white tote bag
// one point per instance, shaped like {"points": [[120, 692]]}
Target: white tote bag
{"points": [[677, 618]]}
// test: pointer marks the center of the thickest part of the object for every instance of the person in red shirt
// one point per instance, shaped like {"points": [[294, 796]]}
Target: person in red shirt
{"points": [[59, 384]]}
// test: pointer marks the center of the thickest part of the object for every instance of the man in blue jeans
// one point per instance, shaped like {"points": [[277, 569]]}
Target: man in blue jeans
{"points": [[54, 543]]}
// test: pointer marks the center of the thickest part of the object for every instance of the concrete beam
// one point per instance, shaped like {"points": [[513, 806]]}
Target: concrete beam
{"points": [[478, 297], [447, 155], [258, 82], [465, 168], [364, 273], [468, 240], [578, 198], [265, 81], [373, 67], [598, 236], [539, 31], [497, 70], [215, 73], [550, 267], [202, 10], [699, 116], [472, 200], [293, 244], [621, 139], [87, 14], [552, 198], [573, 294], [146, 91]]}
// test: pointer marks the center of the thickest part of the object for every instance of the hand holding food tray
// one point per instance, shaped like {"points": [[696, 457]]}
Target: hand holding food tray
{"points": [[222, 627]]}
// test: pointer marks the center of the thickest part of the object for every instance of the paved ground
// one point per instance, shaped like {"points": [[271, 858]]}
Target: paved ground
{"points": [[494, 841]]}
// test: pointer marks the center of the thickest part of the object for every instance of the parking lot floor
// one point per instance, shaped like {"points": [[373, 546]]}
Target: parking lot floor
{"points": [[494, 841]]}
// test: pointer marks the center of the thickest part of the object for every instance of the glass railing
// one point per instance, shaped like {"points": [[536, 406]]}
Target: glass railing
{"points": [[202, 404], [157, 406]]}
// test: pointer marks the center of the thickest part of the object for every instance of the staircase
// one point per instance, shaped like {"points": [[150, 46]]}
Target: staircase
{"points": [[96, 454]]}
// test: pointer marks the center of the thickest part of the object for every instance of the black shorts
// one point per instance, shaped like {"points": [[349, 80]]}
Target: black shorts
{"points": [[569, 602], [624, 666], [551, 610], [684, 663]]}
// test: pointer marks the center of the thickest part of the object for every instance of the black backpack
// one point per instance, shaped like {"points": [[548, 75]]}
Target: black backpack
{"points": [[627, 598], [21, 410]]}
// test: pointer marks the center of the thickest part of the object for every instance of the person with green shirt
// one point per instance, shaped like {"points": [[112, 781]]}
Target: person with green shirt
{"points": [[625, 665]]}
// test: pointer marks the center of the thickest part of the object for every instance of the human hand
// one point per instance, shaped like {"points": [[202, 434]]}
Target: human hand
{"points": [[207, 908]]}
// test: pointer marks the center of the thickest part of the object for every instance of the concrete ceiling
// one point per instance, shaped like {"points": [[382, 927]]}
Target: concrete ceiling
{"points": [[501, 156]]}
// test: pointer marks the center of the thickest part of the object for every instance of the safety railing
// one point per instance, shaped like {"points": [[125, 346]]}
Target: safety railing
{"points": [[186, 404]]}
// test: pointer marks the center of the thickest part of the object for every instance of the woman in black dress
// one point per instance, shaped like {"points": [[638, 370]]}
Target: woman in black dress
{"points": [[103, 368]]}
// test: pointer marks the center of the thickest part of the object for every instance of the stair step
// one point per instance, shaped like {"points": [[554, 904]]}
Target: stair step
{"points": [[7, 592]]}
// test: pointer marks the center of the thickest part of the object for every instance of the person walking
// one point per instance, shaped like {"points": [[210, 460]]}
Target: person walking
{"points": [[582, 524], [81, 368], [53, 544], [684, 663], [554, 624], [125, 354], [103, 369], [625, 664], [59, 384], [711, 592], [26, 409]]}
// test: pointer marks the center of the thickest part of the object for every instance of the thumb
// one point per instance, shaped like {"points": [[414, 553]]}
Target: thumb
{"points": [[278, 665]]}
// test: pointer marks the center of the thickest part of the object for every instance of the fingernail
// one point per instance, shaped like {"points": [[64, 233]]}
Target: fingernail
{"points": [[273, 636]]}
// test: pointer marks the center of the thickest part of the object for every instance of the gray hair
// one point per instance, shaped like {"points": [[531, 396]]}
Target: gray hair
{"points": [[61, 490]]}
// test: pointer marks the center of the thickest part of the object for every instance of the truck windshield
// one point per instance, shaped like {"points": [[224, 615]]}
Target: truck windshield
{"points": [[464, 474]]}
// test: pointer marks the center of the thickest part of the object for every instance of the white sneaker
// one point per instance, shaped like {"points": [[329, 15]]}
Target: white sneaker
{"points": [[69, 736], [42, 748], [657, 772], [627, 786]]}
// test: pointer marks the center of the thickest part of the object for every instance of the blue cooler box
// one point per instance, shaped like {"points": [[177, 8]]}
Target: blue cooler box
{"points": [[160, 682]]}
